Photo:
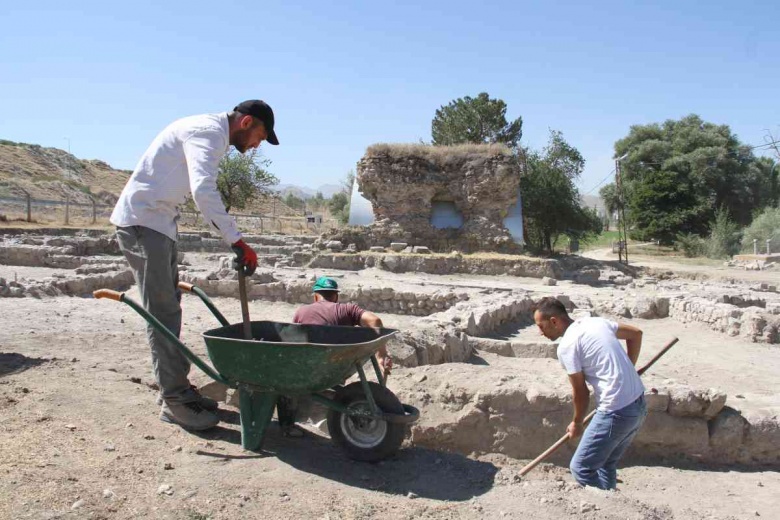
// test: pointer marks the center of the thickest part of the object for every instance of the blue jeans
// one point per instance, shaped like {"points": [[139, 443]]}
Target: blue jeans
{"points": [[605, 440]]}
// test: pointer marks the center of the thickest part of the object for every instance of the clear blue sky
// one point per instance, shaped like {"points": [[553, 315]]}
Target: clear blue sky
{"points": [[343, 75]]}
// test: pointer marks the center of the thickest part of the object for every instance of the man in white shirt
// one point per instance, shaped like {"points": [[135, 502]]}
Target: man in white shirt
{"points": [[184, 158], [590, 352]]}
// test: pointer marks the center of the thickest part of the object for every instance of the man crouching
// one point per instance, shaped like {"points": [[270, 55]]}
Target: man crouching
{"points": [[590, 352]]}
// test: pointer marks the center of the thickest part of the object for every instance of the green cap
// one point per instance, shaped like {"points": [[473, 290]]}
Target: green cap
{"points": [[324, 283]]}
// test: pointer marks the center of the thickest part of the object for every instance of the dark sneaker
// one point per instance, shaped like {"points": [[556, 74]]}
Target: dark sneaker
{"points": [[209, 404], [190, 416]]}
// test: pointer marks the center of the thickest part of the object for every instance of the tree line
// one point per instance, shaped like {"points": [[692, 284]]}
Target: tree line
{"points": [[686, 177], [683, 181]]}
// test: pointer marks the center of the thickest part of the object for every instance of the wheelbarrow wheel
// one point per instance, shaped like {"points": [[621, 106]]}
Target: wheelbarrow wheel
{"points": [[365, 439]]}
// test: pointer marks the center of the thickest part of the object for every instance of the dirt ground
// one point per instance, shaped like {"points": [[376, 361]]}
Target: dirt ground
{"points": [[80, 437]]}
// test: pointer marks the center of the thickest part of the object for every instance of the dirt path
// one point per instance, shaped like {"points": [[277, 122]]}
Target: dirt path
{"points": [[78, 427], [688, 266]]}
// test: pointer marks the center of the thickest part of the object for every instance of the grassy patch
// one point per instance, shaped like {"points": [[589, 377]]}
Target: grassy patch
{"points": [[602, 241]]}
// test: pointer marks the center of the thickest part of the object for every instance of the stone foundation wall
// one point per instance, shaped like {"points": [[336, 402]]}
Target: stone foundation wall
{"points": [[755, 323], [79, 285], [520, 411], [298, 292], [441, 264]]}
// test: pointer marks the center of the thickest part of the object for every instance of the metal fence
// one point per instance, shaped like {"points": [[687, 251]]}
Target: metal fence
{"points": [[72, 213]]}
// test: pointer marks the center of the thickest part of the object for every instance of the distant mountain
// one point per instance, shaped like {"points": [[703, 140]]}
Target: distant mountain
{"points": [[304, 192]]}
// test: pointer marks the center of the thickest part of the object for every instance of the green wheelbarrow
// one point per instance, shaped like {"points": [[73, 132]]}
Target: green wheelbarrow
{"points": [[283, 359]]}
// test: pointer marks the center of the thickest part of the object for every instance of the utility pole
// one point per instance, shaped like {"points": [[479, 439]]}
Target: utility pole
{"points": [[622, 227]]}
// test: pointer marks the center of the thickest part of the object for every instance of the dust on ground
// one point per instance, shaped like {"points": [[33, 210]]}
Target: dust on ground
{"points": [[80, 437]]}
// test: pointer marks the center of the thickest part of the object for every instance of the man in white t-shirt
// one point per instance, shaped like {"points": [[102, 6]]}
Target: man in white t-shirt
{"points": [[590, 353], [183, 158]]}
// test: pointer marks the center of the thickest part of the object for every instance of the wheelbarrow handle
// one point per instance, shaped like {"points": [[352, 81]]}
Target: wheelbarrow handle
{"points": [[185, 286], [188, 287], [108, 293], [155, 323]]}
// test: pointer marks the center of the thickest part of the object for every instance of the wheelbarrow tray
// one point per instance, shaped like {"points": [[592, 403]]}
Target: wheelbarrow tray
{"points": [[288, 358]]}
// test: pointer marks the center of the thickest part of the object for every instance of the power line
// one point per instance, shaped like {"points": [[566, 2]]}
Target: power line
{"points": [[751, 147], [602, 181]]}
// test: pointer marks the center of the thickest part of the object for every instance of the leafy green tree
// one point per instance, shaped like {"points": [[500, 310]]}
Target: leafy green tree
{"points": [[243, 178], [475, 120], [339, 207], [317, 201], [551, 201], [610, 198], [677, 174]]}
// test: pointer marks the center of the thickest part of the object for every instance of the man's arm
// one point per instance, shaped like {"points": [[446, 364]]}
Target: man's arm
{"points": [[633, 338], [203, 151], [369, 319], [581, 398]]}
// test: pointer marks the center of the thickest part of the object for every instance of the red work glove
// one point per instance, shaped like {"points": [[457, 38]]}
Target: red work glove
{"points": [[245, 259]]}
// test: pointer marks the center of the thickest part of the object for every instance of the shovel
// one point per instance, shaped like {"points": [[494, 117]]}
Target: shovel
{"points": [[244, 303], [552, 449]]}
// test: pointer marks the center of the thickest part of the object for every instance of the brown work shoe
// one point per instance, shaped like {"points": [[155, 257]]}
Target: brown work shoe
{"points": [[190, 416], [209, 404]]}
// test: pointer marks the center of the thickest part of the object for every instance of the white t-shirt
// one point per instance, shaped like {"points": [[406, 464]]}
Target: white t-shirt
{"points": [[183, 158], [590, 346]]}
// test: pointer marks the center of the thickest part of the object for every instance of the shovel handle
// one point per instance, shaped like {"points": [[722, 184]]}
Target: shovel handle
{"points": [[108, 293], [247, 323], [560, 442]]}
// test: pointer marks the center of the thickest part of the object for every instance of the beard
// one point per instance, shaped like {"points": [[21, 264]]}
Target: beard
{"points": [[241, 141]]}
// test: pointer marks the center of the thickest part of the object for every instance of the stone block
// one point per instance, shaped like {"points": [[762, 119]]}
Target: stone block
{"points": [[421, 250], [643, 307], [687, 402], [665, 435], [334, 245], [495, 346], [377, 249], [549, 281], [534, 349], [398, 246], [728, 432], [587, 275], [656, 401]]}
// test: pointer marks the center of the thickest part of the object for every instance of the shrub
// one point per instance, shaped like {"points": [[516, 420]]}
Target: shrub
{"points": [[725, 236], [765, 226], [690, 244]]}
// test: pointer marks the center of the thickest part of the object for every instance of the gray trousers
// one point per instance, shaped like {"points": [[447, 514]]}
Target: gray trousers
{"points": [[152, 258]]}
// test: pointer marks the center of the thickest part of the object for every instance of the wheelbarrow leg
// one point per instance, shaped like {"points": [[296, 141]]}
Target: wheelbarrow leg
{"points": [[256, 411], [367, 389]]}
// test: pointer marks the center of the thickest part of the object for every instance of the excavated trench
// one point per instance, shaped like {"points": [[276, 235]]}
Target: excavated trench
{"points": [[473, 362]]}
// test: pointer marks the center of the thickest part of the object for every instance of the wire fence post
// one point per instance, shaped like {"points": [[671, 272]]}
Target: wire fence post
{"points": [[94, 211], [67, 209], [29, 208]]}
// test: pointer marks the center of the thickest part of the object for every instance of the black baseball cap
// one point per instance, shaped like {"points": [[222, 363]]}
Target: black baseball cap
{"points": [[262, 111]]}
